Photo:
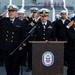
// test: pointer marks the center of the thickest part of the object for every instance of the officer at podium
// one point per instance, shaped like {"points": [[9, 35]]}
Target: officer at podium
{"points": [[11, 34], [44, 30]]}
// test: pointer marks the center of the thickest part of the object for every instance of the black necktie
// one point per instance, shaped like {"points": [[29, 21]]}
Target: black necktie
{"points": [[11, 21], [44, 26]]}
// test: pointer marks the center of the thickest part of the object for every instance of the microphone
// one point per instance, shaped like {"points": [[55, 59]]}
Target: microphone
{"points": [[33, 29]]}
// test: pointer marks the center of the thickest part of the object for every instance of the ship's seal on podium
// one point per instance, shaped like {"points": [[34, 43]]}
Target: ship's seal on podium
{"points": [[48, 58]]}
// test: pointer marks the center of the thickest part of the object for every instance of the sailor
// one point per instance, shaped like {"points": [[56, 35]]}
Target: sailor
{"points": [[44, 30], [21, 13], [11, 37], [63, 21]]}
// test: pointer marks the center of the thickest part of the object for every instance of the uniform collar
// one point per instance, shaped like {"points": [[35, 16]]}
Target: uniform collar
{"points": [[12, 19], [34, 19], [74, 28], [44, 23]]}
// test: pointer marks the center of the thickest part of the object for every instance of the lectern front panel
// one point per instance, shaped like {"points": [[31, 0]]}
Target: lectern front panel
{"points": [[39, 58]]}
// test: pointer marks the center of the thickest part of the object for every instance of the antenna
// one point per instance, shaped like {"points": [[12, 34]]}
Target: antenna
{"points": [[64, 5], [10, 2]]}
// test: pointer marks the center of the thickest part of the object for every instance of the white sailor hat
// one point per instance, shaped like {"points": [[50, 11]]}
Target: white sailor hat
{"points": [[34, 9], [64, 11], [21, 10], [44, 12], [12, 7], [57, 16], [71, 16]]}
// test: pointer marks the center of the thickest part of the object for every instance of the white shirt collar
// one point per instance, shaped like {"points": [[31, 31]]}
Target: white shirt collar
{"points": [[44, 23], [34, 19], [63, 21], [74, 28], [12, 19]]}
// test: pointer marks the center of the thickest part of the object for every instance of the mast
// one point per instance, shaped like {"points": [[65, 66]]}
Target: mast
{"points": [[53, 10]]}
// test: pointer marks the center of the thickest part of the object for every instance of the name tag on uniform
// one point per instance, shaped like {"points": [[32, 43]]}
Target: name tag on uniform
{"points": [[18, 26]]}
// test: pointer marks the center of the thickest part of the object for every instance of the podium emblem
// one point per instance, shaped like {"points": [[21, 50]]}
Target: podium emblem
{"points": [[48, 58]]}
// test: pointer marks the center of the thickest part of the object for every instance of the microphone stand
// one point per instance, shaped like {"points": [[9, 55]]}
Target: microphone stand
{"points": [[30, 32]]}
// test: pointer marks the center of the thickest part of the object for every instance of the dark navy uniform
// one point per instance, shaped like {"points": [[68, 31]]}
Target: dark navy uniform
{"points": [[69, 35], [11, 37], [58, 26], [43, 34], [24, 52], [54, 26], [1, 52], [30, 23]]}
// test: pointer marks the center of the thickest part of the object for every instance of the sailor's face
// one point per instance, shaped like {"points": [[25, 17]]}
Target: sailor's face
{"points": [[44, 18], [12, 14], [34, 14], [21, 15], [63, 15]]}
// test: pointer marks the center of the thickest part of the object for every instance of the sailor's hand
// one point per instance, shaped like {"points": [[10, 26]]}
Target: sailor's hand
{"points": [[71, 23], [30, 15], [38, 19], [2, 14], [47, 41], [20, 48]]}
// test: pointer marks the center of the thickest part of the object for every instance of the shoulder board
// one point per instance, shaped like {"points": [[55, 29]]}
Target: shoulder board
{"points": [[32, 23], [27, 18]]}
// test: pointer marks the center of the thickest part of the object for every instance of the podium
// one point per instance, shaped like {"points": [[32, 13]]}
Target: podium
{"points": [[47, 57]]}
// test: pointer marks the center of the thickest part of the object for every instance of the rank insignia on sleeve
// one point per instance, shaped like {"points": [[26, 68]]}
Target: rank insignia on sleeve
{"points": [[32, 24]]}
